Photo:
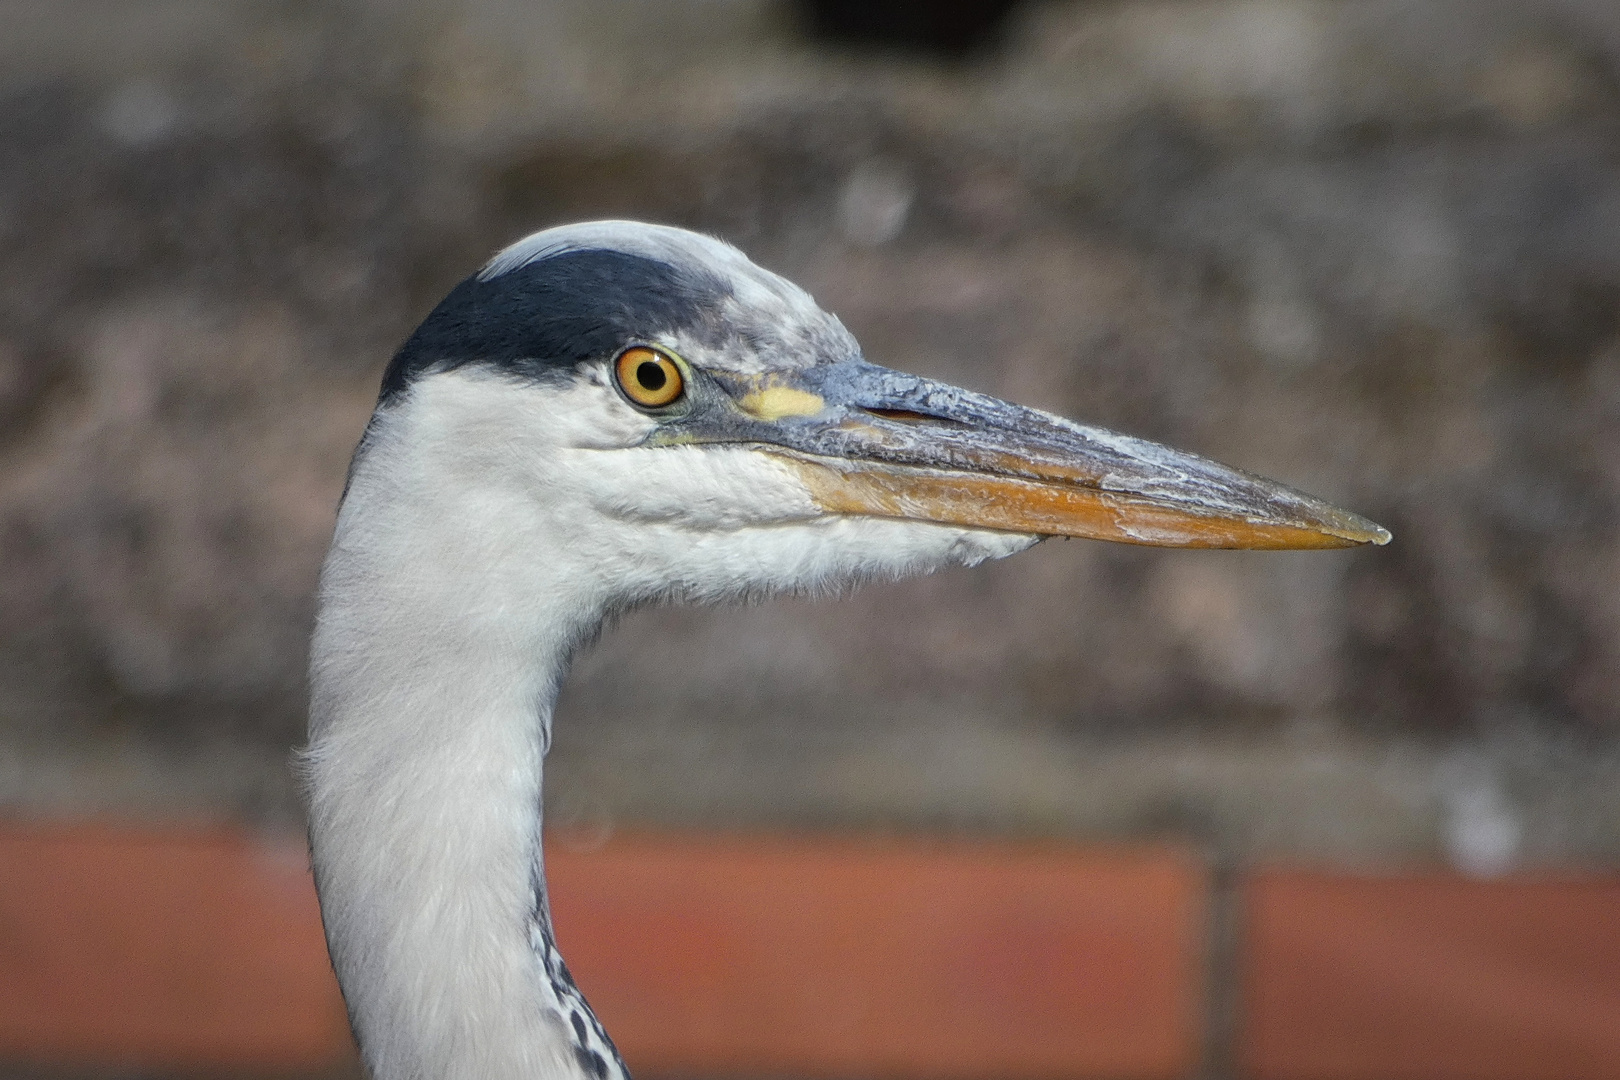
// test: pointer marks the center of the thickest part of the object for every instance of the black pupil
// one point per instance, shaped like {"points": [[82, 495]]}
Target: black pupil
{"points": [[650, 375]]}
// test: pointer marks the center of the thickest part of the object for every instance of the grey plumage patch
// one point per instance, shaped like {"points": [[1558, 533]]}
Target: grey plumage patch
{"points": [[660, 243]]}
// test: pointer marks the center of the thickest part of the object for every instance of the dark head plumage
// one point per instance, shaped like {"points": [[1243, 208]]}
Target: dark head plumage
{"points": [[547, 315]]}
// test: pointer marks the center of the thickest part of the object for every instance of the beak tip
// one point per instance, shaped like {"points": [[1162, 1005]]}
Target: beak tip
{"points": [[1361, 532]]}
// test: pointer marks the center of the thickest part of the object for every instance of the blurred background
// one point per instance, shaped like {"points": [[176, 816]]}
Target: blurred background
{"points": [[1367, 247]]}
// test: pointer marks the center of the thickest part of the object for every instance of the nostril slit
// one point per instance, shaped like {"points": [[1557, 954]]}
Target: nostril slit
{"points": [[903, 414]]}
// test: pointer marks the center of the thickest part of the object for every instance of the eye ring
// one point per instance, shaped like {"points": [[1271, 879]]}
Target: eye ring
{"points": [[649, 377]]}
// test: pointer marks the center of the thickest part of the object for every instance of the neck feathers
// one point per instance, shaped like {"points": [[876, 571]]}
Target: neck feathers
{"points": [[431, 695]]}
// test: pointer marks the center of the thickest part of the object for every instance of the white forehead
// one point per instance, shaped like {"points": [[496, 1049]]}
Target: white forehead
{"points": [[751, 285], [662, 242]]}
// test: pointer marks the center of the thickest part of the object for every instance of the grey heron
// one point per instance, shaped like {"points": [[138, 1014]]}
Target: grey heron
{"points": [[606, 415]]}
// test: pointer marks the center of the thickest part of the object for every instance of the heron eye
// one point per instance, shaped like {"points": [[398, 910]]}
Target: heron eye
{"points": [[648, 377]]}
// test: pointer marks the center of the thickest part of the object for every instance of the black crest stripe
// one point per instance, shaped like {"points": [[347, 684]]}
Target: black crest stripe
{"points": [[551, 314]]}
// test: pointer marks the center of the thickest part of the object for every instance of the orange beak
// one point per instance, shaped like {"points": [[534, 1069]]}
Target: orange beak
{"points": [[1064, 508]]}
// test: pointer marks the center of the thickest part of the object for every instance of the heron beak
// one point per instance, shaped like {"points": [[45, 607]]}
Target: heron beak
{"points": [[867, 440]]}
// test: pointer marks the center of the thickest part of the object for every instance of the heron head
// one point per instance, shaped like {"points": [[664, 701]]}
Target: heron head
{"points": [[698, 426]]}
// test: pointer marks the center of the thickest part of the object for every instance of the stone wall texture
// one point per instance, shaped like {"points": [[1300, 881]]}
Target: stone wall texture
{"points": [[1369, 248]]}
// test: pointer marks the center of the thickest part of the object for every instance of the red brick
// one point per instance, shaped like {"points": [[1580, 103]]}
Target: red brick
{"points": [[167, 948], [810, 957], [822, 957], [1430, 977]]}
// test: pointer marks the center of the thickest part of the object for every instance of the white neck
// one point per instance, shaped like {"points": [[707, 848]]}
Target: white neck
{"points": [[431, 696], [488, 529]]}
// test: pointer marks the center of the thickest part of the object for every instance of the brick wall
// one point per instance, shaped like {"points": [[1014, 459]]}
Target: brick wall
{"points": [[174, 950]]}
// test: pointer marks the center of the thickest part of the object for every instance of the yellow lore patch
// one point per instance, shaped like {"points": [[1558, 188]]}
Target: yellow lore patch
{"points": [[775, 402]]}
